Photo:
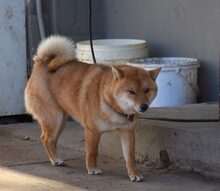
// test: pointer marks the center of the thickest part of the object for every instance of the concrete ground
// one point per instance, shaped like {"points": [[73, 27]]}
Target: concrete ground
{"points": [[25, 167]]}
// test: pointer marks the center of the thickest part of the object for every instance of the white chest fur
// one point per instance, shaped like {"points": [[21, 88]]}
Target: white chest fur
{"points": [[115, 120], [108, 126]]}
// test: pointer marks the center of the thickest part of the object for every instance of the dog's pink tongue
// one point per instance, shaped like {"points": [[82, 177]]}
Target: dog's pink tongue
{"points": [[130, 117]]}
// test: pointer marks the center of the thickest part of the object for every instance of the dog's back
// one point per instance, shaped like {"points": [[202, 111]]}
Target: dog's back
{"points": [[49, 89], [37, 94]]}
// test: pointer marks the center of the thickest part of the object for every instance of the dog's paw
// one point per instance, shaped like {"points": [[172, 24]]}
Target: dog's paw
{"points": [[58, 162], [136, 177], [94, 171]]}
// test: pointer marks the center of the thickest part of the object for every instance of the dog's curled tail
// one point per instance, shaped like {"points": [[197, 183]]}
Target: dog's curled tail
{"points": [[55, 51]]}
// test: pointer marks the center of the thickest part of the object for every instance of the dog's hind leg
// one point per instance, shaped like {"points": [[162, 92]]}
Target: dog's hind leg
{"points": [[51, 117], [51, 129]]}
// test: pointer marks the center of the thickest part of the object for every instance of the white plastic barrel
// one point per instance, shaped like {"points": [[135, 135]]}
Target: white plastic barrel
{"points": [[112, 51], [177, 81]]}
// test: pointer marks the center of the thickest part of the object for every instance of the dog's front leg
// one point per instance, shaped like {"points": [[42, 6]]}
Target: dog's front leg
{"points": [[92, 138], [128, 148]]}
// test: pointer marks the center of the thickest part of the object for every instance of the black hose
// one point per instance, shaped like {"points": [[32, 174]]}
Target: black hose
{"points": [[90, 31], [181, 120]]}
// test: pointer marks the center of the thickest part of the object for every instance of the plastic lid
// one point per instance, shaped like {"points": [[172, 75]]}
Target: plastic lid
{"points": [[112, 43], [166, 62]]}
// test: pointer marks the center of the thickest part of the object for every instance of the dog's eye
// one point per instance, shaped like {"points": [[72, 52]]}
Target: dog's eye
{"points": [[132, 92], [146, 91]]}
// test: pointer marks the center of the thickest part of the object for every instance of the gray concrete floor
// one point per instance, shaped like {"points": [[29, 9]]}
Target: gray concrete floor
{"points": [[24, 166]]}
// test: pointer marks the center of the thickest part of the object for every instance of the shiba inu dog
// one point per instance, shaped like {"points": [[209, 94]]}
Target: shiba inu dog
{"points": [[100, 98]]}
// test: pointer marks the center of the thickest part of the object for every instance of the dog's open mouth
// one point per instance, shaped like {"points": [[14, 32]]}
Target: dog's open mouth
{"points": [[130, 117]]}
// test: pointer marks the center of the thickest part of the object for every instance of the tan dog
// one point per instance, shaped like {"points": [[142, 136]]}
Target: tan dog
{"points": [[100, 98]]}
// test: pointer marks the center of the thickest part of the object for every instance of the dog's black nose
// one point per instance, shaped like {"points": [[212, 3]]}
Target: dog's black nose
{"points": [[143, 107]]}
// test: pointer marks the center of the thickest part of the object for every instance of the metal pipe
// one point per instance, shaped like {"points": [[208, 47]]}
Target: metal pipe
{"points": [[54, 17], [40, 18]]}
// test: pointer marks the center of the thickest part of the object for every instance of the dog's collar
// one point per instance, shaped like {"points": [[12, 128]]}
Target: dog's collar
{"points": [[128, 117]]}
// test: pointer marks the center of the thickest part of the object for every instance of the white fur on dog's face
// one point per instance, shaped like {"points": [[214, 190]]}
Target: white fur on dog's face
{"points": [[126, 104]]}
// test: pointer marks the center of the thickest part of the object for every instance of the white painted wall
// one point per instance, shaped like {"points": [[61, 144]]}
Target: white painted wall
{"points": [[12, 57], [185, 28]]}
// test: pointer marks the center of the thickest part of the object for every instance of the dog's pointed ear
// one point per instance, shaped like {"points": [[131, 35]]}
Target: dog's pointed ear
{"points": [[117, 73], [154, 73]]}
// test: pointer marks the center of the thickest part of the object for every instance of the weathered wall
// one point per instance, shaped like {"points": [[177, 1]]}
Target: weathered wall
{"points": [[13, 72], [70, 19], [172, 28]]}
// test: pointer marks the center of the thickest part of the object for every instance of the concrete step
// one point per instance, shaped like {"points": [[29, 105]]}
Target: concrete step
{"points": [[193, 112], [184, 145]]}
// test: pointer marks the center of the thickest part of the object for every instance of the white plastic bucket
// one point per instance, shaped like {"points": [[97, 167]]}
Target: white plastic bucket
{"points": [[177, 81], [112, 51]]}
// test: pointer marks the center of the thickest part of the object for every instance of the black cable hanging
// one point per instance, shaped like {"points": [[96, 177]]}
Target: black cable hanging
{"points": [[90, 30]]}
